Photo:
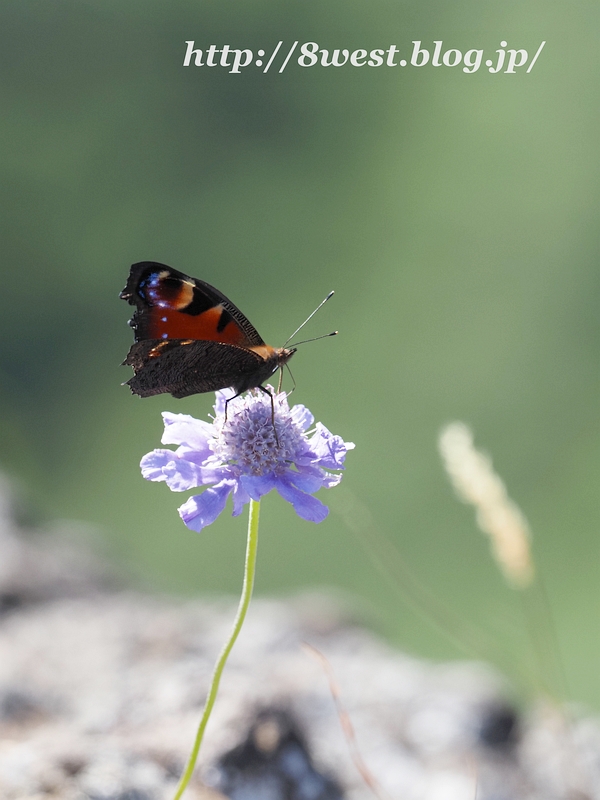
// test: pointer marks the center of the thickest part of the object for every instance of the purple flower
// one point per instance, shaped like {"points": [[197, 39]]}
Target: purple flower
{"points": [[242, 456]]}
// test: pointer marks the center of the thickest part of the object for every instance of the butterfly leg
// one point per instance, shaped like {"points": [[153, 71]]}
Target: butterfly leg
{"points": [[293, 389], [229, 399], [266, 391]]}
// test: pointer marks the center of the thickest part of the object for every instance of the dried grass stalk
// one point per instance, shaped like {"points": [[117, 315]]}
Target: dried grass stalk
{"points": [[475, 482]]}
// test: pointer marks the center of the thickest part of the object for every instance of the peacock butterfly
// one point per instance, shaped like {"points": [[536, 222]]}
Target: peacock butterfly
{"points": [[190, 338]]}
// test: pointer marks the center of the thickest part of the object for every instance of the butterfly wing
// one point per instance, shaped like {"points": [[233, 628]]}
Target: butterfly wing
{"points": [[171, 305], [187, 366]]}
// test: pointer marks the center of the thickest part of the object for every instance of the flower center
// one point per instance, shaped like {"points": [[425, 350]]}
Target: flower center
{"points": [[247, 438]]}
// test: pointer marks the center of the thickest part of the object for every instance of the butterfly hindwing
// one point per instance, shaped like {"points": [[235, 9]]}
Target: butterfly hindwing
{"points": [[188, 366]]}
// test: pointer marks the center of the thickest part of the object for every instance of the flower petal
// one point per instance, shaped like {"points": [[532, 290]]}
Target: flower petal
{"points": [[203, 509], [302, 417], [331, 479], [240, 498], [330, 449], [257, 485], [152, 464], [213, 472], [305, 480], [305, 505], [184, 430], [165, 465]]}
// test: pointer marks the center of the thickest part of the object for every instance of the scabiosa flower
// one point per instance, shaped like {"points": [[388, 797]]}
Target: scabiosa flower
{"points": [[246, 457]]}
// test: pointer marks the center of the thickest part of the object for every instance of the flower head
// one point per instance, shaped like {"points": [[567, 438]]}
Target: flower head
{"points": [[257, 448]]}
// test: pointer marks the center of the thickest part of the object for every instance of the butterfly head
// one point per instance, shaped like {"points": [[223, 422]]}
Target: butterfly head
{"points": [[272, 359]]}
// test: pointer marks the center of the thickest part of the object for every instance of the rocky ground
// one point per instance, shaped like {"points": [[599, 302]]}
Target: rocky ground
{"points": [[101, 690]]}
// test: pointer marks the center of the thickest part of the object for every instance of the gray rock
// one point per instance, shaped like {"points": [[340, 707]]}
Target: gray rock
{"points": [[101, 692]]}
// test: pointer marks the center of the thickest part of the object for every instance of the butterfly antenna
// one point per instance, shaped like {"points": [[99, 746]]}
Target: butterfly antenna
{"points": [[315, 338], [322, 303]]}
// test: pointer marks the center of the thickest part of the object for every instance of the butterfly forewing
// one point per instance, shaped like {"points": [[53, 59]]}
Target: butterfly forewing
{"points": [[171, 305]]}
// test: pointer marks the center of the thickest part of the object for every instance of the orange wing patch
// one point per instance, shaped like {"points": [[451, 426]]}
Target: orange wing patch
{"points": [[214, 325]]}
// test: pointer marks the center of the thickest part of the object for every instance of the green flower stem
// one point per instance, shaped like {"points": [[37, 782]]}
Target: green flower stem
{"points": [[249, 572]]}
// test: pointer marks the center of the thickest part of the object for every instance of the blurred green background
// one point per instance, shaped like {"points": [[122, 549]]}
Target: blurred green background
{"points": [[455, 215]]}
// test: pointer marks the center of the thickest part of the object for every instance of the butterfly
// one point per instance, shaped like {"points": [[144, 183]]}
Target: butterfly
{"points": [[190, 338]]}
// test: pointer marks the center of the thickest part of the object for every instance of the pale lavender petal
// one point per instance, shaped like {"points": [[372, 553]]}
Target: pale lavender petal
{"points": [[184, 430], [302, 417], [331, 479], [203, 509], [305, 480], [203, 458], [306, 460], [330, 449], [257, 485], [240, 498], [164, 465], [152, 464], [305, 505], [215, 472]]}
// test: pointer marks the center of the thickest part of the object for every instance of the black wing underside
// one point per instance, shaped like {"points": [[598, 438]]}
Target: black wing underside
{"points": [[184, 367]]}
